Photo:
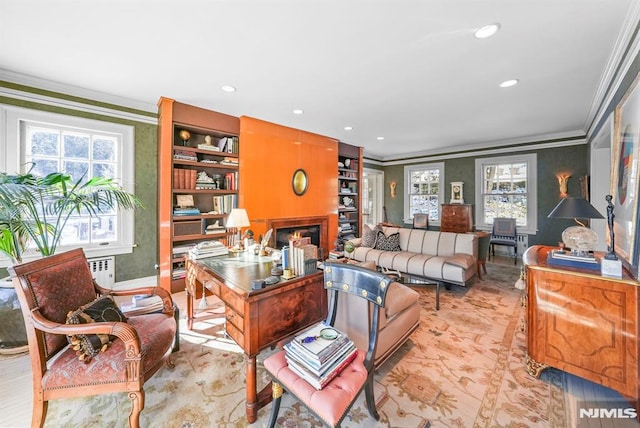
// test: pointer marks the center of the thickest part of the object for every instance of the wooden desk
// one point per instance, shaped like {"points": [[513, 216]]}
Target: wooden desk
{"points": [[583, 323], [256, 319]]}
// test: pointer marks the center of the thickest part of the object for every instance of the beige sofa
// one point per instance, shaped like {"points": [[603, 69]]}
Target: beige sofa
{"points": [[399, 318], [444, 257]]}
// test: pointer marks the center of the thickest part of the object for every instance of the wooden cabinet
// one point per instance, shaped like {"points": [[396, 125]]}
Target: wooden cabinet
{"points": [[198, 171], [457, 218], [349, 191], [583, 323]]}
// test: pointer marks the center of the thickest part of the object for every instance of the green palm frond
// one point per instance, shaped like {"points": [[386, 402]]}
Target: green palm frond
{"points": [[36, 209]]}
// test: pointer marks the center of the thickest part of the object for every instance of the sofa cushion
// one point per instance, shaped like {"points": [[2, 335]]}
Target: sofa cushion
{"points": [[369, 235], [464, 261], [399, 297], [388, 243]]}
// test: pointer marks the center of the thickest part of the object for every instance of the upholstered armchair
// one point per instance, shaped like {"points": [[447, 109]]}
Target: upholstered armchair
{"points": [[59, 289]]}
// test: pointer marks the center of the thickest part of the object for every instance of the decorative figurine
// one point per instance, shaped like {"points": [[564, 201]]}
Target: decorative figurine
{"points": [[184, 135], [611, 255]]}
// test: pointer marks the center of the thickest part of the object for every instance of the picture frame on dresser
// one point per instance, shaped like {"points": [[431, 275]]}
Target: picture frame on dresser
{"points": [[624, 177]]}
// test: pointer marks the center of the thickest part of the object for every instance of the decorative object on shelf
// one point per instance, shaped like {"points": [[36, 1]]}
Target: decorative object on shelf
{"points": [[184, 201], [392, 187], [456, 192], [299, 182], [238, 219], [348, 202], [208, 145], [610, 265], [184, 136], [563, 180], [580, 239]]}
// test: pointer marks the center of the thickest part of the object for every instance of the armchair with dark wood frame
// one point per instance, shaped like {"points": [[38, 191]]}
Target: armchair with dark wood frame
{"points": [[504, 233], [52, 287]]}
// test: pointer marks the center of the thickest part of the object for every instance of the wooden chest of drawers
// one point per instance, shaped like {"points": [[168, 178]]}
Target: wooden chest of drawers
{"points": [[456, 218]]}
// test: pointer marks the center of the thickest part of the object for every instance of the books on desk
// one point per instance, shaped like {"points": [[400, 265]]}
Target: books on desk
{"points": [[562, 258], [318, 360], [208, 249]]}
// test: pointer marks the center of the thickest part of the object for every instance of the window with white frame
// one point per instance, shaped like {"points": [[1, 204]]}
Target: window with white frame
{"points": [[43, 142], [506, 187], [424, 191]]}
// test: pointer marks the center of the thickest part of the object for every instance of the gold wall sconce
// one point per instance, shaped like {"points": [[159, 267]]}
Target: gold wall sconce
{"points": [[562, 183], [392, 186]]}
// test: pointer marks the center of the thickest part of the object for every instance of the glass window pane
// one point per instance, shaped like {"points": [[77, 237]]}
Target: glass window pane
{"points": [[76, 146], [104, 170], [42, 141], [43, 167], [104, 149], [104, 228], [75, 169]]}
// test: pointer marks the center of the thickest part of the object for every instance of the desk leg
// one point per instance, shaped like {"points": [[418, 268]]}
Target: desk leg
{"points": [[255, 400]]}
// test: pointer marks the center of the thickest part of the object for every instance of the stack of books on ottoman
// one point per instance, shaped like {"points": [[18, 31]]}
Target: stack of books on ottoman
{"points": [[319, 354]]}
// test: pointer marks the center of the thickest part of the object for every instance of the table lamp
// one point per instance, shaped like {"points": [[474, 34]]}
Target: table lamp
{"points": [[238, 219], [580, 239]]}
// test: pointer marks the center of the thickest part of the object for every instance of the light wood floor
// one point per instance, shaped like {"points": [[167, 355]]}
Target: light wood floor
{"points": [[16, 398]]}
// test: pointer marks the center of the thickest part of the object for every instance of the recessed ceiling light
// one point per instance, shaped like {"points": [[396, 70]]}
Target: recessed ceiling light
{"points": [[348, 128], [486, 31], [228, 88], [380, 138], [509, 83], [298, 111]]}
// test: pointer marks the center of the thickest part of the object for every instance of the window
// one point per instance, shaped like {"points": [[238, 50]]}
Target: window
{"points": [[506, 187], [52, 142], [424, 191]]}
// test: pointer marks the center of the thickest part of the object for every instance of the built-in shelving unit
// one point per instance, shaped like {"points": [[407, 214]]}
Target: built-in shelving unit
{"points": [[198, 182], [349, 191]]}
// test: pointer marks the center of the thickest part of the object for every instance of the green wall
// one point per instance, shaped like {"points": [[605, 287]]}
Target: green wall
{"points": [[140, 263], [572, 159]]}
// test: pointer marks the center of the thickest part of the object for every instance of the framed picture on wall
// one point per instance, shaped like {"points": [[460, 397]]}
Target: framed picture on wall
{"points": [[624, 180]]}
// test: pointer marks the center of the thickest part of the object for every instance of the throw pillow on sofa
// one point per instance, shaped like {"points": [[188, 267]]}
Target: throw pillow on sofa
{"points": [[388, 243], [100, 310], [369, 235]]}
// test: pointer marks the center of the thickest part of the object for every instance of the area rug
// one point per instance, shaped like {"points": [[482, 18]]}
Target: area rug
{"points": [[463, 367]]}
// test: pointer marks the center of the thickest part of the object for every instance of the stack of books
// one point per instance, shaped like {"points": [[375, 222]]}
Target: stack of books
{"points": [[186, 211], [335, 255], [208, 249], [318, 360], [142, 304]]}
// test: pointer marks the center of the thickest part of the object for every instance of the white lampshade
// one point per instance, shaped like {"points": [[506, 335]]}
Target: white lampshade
{"points": [[238, 218]]}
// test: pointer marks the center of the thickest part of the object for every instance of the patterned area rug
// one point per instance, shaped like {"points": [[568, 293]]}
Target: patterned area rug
{"points": [[464, 367]]}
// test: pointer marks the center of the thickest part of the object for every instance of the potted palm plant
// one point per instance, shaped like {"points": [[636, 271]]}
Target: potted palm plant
{"points": [[34, 211]]}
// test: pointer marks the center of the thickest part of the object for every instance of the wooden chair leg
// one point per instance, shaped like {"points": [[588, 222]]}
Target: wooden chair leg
{"points": [[371, 402], [137, 404], [39, 412], [276, 390]]}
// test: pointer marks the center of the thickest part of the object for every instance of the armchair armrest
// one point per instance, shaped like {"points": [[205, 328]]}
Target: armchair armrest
{"points": [[167, 301], [122, 330]]}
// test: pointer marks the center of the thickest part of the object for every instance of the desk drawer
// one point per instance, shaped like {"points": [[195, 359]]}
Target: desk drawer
{"points": [[235, 326], [210, 284], [232, 300]]}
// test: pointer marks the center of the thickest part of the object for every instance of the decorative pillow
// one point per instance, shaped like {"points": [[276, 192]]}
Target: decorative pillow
{"points": [[369, 235], [102, 309], [388, 243]]}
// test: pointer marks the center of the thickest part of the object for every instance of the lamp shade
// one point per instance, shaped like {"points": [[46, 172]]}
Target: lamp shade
{"points": [[238, 218], [574, 208]]}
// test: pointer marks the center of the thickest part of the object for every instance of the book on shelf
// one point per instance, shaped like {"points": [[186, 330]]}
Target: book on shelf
{"points": [[319, 382], [186, 211], [209, 147]]}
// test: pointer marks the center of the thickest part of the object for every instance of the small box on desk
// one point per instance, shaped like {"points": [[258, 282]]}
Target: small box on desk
{"points": [[562, 259]]}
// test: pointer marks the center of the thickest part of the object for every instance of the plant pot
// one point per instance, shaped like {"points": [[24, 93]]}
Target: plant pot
{"points": [[13, 335]]}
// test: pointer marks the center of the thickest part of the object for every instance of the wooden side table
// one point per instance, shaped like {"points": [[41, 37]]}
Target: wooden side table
{"points": [[483, 250]]}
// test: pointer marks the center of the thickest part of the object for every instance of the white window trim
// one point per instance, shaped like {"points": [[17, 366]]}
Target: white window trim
{"points": [[532, 187], [407, 185], [10, 119]]}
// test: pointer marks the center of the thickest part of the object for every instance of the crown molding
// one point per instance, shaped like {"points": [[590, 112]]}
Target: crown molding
{"points": [[76, 92], [624, 53]]}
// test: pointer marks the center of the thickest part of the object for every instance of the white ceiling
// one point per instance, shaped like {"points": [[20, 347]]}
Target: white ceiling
{"points": [[408, 70]]}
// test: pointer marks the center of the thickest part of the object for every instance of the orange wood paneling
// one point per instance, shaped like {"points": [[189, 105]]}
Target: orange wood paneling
{"points": [[269, 155]]}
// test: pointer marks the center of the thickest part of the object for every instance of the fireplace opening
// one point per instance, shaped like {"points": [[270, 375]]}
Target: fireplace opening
{"points": [[317, 228], [283, 235]]}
